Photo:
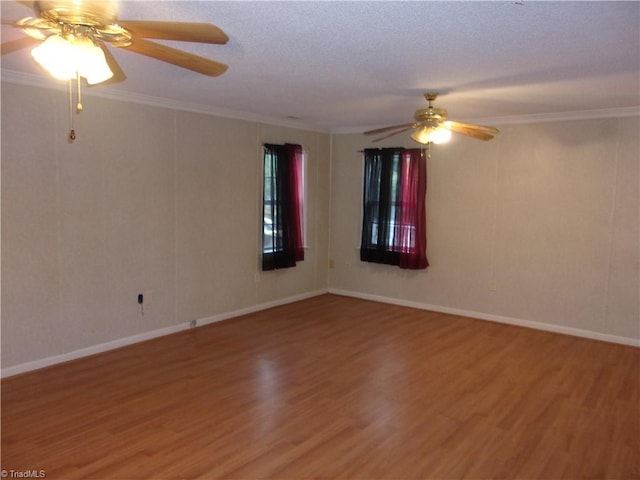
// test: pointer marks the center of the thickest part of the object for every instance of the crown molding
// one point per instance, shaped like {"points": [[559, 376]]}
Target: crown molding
{"points": [[528, 119], [562, 116], [111, 94], [20, 78]]}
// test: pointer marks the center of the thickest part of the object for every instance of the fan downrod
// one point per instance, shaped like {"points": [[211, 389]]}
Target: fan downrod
{"points": [[430, 116]]}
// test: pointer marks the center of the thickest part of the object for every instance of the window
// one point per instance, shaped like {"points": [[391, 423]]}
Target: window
{"points": [[282, 206], [394, 212]]}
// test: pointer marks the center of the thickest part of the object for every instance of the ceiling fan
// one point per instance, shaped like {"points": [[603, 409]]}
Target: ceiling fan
{"points": [[431, 126], [94, 23]]}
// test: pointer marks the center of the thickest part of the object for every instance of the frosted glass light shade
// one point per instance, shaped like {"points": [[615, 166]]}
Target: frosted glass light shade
{"points": [[63, 59], [54, 55], [90, 61], [440, 135], [435, 135]]}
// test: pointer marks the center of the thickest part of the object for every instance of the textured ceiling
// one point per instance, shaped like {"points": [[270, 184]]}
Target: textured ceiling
{"points": [[350, 66]]}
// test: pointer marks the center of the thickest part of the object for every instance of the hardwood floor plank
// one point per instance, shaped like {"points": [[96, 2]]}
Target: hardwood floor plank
{"points": [[337, 388]]}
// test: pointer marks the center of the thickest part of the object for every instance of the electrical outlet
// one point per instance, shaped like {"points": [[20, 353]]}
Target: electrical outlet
{"points": [[193, 324], [141, 303], [493, 286]]}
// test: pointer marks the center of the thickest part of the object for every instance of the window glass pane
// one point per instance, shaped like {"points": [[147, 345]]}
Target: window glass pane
{"points": [[283, 190], [268, 188]]}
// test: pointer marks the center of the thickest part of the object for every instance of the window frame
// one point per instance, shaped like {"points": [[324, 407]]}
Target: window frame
{"points": [[394, 208], [283, 220]]}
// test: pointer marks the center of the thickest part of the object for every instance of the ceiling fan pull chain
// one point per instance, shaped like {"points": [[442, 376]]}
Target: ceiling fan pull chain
{"points": [[79, 106], [72, 132]]}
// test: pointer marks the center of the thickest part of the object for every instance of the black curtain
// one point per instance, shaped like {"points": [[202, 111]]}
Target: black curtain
{"points": [[278, 250], [394, 211], [382, 170]]}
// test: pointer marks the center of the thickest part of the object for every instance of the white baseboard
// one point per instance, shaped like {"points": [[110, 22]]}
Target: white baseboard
{"points": [[92, 350], [576, 332], [141, 337], [259, 307], [122, 342]]}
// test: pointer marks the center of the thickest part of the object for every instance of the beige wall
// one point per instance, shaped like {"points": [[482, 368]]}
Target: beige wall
{"points": [[547, 212], [147, 199], [167, 203]]}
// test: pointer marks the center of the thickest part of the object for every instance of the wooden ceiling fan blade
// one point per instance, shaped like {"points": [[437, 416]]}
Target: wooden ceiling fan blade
{"points": [[177, 57], [19, 44], [469, 132], [181, 31], [378, 131], [483, 128], [394, 133]]}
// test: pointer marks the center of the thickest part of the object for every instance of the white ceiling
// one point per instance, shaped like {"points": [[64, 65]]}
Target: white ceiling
{"points": [[351, 66]]}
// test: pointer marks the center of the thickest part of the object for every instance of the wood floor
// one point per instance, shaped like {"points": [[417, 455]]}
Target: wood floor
{"points": [[333, 387]]}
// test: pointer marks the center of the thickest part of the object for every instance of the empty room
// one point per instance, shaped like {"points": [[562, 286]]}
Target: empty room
{"points": [[318, 239]]}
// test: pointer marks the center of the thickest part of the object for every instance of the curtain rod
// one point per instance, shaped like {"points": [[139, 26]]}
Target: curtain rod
{"points": [[423, 148], [304, 147], [379, 148]]}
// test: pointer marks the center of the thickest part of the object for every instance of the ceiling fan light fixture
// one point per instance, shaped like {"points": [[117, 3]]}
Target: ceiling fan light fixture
{"points": [[53, 55], [90, 61], [421, 135], [440, 135], [437, 135], [66, 58]]}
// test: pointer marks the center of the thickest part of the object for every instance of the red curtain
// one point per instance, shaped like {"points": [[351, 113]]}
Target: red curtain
{"points": [[394, 212], [282, 203], [294, 157], [412, 239]]}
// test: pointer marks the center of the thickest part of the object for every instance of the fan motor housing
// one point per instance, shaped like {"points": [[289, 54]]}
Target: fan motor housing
{"points": [[428, 114], [91, 13]]}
